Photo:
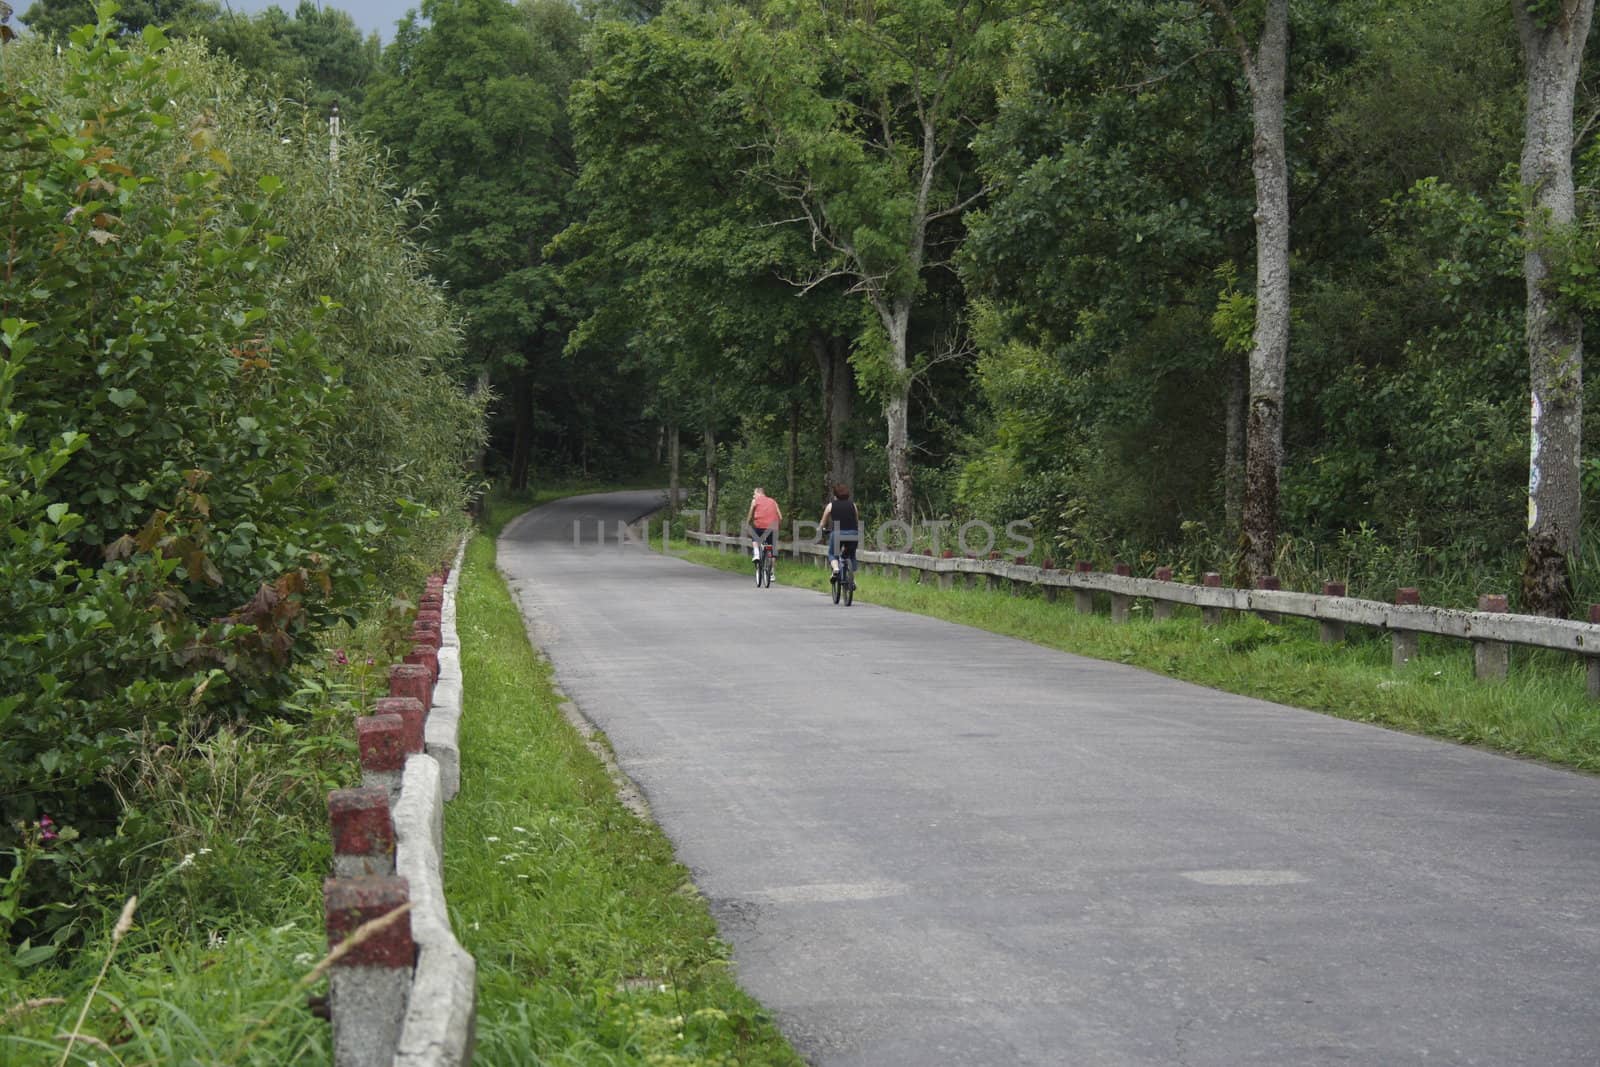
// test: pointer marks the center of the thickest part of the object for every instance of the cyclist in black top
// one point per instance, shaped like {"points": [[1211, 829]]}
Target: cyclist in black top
{"points": [[841, 524]]}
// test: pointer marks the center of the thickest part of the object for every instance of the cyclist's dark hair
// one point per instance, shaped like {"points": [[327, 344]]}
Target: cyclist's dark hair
{"points": [[841, 492]]}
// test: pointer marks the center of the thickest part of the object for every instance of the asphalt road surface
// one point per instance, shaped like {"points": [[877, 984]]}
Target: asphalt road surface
{"points": [[929, 845]]}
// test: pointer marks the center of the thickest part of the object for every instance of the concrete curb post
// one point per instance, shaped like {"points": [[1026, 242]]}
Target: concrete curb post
{"points": [[370, 988], [992, 580], [1491, 660], [1019, 584], [1592, 663], [1211, 616], [947, 577], [381, 743], [1083, 599], [1269, 581], [1050, 591], [1405, 641], [1121, 603], [1162, 609], [411, 712], [363, 833], [1331, 631]]}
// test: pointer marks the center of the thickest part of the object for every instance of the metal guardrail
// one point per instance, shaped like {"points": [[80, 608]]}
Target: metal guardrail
{"points": [[1490, 629]]}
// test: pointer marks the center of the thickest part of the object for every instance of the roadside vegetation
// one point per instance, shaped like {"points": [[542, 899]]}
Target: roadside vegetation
{"points": [[1541, 711]]}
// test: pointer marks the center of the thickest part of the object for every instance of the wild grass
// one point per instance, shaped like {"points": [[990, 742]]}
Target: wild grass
{"points": [[593, 946], [1542, 711]]}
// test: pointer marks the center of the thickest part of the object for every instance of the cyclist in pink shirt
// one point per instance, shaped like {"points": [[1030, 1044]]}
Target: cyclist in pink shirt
{"points": [[764, 517]]}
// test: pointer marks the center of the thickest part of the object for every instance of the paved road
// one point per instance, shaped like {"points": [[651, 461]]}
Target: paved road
{"points": [[933, 846]]}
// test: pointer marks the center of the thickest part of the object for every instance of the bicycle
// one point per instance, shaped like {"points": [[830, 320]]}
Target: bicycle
{"points": [[845, 587], [763, 555]]}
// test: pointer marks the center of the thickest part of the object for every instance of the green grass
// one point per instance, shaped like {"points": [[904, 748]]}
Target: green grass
{"points": [[593, 947], [1542, 711]]}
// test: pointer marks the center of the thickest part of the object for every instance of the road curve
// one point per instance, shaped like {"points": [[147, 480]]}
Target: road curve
{"points": [[930, 845]]}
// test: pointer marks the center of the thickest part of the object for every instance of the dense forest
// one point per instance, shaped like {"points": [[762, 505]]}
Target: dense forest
{"points": [[1251, 275], [1262, 286]]}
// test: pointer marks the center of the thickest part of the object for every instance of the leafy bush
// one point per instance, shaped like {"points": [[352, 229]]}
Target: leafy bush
{"points": [[226, 423]]}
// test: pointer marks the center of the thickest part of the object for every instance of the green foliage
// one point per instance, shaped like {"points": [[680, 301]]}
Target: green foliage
{"points": [[317, 53], [189, 498]]}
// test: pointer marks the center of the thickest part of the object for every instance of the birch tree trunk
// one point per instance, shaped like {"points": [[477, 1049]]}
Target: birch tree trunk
{"points": [[1269, 351], [1264, 67], [1552, 49], [896, 410]]}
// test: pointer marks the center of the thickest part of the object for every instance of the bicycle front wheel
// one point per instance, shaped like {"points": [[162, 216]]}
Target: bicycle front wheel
{"points": [[849, 584], [838, 585]]}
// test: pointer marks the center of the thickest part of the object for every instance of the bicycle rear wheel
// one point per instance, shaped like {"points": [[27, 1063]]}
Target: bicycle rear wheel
{"points": [[838, 583], [771, 563]]}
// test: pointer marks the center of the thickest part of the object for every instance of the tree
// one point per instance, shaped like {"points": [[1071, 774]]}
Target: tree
{"points": [[1553, 33], [1265, 64], [867, 114], [316, 47], [58, 18], [472, 100]]}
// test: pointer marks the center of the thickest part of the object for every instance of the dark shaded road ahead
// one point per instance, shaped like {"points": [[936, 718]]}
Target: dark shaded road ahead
{"points": [[930, 845]]}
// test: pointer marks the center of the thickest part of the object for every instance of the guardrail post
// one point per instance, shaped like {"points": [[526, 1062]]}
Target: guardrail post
{"points": [[1331, 631], [381, 745], [370, 985], [974, 579], [947, 579], [992, 580], [363, 832], [1269, 581], [1405, 641], [1491, 660], [1162, 609], [1121, 603], [1593, 662], [1211, 616], [1018, 583], [1083, 599], [1050, 591]]}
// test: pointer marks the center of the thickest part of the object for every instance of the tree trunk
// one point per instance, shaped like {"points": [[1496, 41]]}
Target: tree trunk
{"points": [[711, 478], [896, 410], [522, 438], [1552, 48], [789, 502], [1233, 449], [673, 462], [838, 402], [1269, 350]]}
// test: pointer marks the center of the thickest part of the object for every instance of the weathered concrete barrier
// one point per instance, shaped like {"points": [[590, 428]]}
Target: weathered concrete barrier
{"points": [[1491, 629], [407, 996]]}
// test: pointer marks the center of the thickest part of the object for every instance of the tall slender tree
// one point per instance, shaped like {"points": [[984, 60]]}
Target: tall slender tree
{"points": [[1553, 34], [1265, 62]]}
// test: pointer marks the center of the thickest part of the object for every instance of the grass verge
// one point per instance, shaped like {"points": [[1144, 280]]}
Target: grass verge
{"points": [[1542, 711], [593, 947]]}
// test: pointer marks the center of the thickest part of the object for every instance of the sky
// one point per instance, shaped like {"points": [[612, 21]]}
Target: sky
{"points": [[373, 16]]}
